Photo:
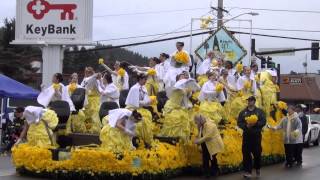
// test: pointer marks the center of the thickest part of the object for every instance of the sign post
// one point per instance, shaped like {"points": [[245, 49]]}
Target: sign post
{"points": [[52, 24]]}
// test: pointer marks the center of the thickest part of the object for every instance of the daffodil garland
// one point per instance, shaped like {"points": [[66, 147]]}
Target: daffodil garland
{"points": [[161, 161]]}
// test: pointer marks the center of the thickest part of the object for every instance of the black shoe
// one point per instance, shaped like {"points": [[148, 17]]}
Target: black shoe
{"points": [[288, 165], [299, 164]]}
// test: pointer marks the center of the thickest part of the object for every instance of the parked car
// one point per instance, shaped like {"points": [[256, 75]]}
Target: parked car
{"points": [[313, 136]]}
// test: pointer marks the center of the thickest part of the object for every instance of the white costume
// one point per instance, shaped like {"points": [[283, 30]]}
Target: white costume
{"points": [[109, 93], [33, 114], [241, 83], [208, 93], [185, 84], [204, 67], [116, 79], [162, 70], [49, 94], [89, 83], [138, 96]]}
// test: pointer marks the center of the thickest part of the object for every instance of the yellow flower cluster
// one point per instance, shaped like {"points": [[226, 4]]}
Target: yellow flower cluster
{"points": [[219, 87], [282, 105], [239, 67], [121, 72], [181, 57], [153, 100], [72, 87], [151, 72], [214, 63], [251, 119], [101, 61], [160, 158], [56, 86], [247, 85]]}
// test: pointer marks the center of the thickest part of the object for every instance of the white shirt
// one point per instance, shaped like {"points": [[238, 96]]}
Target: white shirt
{"points": [[208, 92], [117, 81], [108, 93], [48, 95], [204, 67], [243, 79], [89, 83], [162, 69], [138, 96]]}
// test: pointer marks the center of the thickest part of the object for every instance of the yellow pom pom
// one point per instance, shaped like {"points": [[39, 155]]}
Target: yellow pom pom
{"points": [[282, 105], [121, 72], [247, 85], [56, 86], [219, 87], [251, 119], [101, 61], [214, 63], [72, 87], [239, 67], [181, 57], [152, 72], [153, 100]]}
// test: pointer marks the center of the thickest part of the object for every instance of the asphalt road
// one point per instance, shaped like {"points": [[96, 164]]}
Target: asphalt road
{"points": [[309, 171]]}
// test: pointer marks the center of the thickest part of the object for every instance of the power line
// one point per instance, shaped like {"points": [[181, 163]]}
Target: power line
{"points": [[195, 34], [177, 32], [149, 12], [277, 10]]}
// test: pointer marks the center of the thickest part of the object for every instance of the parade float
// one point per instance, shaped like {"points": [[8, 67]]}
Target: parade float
{"points": [[83, 156]]}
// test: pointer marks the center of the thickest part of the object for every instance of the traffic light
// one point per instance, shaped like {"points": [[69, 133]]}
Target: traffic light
{"points": [[315, 51], [263, 62], [270, 63]]}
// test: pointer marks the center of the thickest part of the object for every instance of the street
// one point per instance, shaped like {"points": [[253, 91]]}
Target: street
{"points": [[309, 170]]}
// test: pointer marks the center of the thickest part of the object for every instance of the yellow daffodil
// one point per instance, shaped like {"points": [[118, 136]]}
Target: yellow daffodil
{"points": [[214, 63], [219, 87], [247, 85], [72, 87], [153, 100], [251, 119], [56, 86], [282, 105], [101, 61], [181, 57], [151, 72], [121, 72], [239, 67]]}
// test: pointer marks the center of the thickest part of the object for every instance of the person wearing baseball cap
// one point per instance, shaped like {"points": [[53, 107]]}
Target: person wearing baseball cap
{"points": [[251, 138]]}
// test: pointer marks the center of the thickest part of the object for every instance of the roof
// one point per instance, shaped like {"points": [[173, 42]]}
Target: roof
{"points": [[300, 87], [13, 89]]}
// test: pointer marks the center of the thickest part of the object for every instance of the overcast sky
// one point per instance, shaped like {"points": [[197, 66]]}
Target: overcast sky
{"points": [[118, 26]]}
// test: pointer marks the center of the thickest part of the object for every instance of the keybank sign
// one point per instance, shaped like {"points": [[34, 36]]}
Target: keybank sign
{"points": [[54, 21]]}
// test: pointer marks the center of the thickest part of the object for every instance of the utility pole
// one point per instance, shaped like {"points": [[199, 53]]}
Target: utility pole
{"points": [[220, 13]]}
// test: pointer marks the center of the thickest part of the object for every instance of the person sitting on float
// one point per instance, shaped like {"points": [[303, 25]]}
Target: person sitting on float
{"points": [[56, 92], [108, 90], [39, 126], [211, 96], [117, 135]]}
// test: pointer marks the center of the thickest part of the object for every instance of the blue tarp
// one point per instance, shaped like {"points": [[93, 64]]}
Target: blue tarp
{"points": [[10, 88]]}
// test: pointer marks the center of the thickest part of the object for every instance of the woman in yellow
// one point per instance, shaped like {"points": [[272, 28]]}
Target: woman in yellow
{"points": [[176, 112], [137, 99], [210, 141], [268, 89], [116, 136], [39, 127], [211, 96], [93, 124]]}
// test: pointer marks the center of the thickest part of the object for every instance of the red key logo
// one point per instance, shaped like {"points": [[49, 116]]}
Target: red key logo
{"points": [[38, 8]]}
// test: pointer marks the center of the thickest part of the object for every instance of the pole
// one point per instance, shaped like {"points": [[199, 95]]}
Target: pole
{"points": [[278, 80], [220, 13], [191, 31], [52, 56]]}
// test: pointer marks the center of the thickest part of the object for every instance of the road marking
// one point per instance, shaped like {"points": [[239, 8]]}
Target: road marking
{"points": [[7, 172]]}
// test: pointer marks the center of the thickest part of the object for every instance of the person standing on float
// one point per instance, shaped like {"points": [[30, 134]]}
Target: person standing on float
{"points": [[176, 68]]}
